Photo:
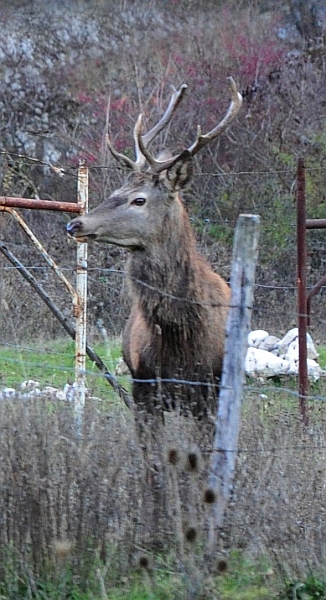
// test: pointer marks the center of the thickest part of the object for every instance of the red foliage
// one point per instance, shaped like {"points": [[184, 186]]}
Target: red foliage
{"points": [[253, 52]]}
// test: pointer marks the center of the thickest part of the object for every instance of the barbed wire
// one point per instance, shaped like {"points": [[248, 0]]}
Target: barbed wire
{"points": [[109, 271], [65, 169], [249, 388], [112, 271]]}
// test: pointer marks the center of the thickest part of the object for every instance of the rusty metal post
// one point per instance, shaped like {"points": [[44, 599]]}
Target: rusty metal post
{"points": [[302, 288], [81, 304]]}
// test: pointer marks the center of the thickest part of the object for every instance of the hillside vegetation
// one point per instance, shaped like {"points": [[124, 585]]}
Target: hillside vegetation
{"points": [[56, 83]]}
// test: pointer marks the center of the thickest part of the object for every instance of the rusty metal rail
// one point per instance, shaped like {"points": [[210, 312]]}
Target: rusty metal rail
{"points": [[316, 223], [13, 202]]}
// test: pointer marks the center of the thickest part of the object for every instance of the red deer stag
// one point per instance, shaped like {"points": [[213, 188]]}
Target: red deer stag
{"points": [[174, 337]]}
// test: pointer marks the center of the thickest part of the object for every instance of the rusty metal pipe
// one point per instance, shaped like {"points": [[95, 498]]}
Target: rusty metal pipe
{"points": [[40, 204], [316, 223]]}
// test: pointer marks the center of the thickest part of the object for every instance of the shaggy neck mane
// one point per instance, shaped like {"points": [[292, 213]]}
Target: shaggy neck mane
{"points": [[166, 277]]}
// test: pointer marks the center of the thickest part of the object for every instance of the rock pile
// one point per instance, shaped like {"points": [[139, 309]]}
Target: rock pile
{"points": [[268, 355]]}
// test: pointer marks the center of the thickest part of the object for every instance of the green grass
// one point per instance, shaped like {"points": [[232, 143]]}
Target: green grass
{"points": [[244, 579], [52, 363], [322, 357], [311, 588]]}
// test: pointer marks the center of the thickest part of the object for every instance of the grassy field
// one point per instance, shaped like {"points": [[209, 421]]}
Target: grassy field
{"points": [[243, 580], [52, 363], [42, 450], [322, 357]]}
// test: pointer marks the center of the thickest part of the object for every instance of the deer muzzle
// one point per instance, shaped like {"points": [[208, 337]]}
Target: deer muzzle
{"points": [[75, 230]]}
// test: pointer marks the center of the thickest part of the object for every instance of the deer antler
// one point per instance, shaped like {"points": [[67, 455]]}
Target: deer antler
{"points": [[201, 140], [143, 141]]}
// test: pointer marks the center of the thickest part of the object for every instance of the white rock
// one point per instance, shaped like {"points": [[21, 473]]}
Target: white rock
{"points": [[29, 384], [28, 395], [260, 362], [291, 337], [314, 370], [270, 344], [256, 337], [311, 350], [60, 395], [7, 393], [292, 353], [50, 390], [268, 355]]}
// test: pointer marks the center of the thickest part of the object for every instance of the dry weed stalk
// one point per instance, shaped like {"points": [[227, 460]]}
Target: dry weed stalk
{"points": [[62, 502]]}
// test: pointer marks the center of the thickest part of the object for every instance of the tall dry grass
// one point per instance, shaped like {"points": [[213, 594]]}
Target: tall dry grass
{"points": [[123, 494]]}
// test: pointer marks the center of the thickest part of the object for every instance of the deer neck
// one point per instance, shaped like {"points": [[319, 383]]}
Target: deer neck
{"points": [[164, 277]]}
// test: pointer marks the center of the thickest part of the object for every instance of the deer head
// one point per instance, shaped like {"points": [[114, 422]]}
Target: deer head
{"points": [[133, 216]]}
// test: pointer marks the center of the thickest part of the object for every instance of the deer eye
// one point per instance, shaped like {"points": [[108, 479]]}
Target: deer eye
{"points": [[139, 201]]}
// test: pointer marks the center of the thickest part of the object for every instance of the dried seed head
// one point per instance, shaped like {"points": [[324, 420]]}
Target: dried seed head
{"points": [[209, 496], [222, 566], [62, 548], [173, 456], [144, 562], [191, 534], [193, 460]]}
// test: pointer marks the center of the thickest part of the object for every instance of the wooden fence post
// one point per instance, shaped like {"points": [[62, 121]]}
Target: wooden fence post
{"points": [[245, 252], [80, 306], [302, 289]]}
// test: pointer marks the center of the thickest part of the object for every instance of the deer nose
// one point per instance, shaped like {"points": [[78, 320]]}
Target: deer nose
{"points": [[74, 227]]}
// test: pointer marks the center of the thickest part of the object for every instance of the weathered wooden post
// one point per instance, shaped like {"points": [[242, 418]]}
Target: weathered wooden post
{"points": [[81, 304], [302, 289], [245, 252]]}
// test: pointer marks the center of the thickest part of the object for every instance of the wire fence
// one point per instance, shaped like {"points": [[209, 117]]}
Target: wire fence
{"points": [[100, 276], [127, 483]]}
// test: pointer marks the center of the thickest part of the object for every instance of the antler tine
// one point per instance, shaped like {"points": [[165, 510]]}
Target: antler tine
{"points": [[156, 165], [140, 157], [202, 140], [176, 97], [122, 158]]}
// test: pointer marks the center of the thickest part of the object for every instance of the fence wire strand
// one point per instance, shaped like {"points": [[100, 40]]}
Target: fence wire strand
{"points": [[71, 171]]}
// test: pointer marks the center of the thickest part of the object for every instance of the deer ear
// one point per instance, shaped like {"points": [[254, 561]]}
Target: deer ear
{"points": [[179, 175]]}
